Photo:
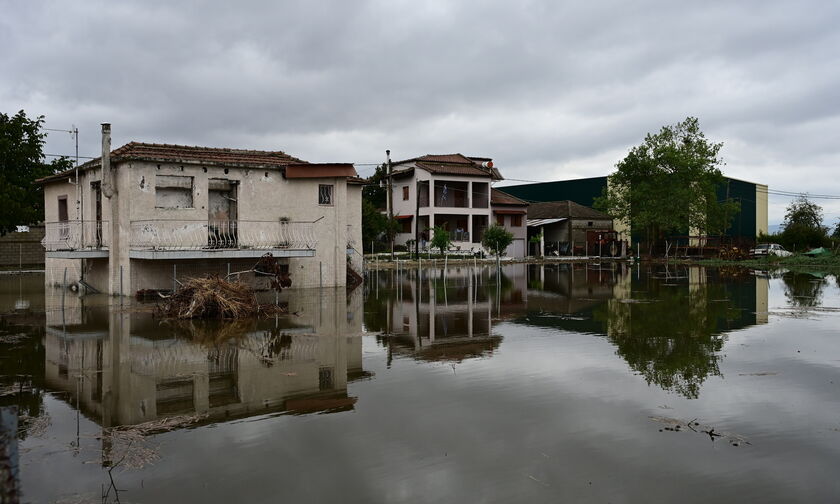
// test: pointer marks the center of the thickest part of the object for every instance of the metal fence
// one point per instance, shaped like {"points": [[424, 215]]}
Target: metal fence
{"points": [[223, 234], [75, 235]]}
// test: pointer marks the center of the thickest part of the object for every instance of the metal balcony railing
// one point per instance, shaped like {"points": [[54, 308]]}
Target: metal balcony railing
{"points": [[75, 235], [211, 235]]}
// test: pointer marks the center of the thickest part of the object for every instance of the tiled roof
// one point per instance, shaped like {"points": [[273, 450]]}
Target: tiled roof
{"points": [[451, 164], [498, 197], [446, 158], [168, 153], [563, 209], [469, 170]]}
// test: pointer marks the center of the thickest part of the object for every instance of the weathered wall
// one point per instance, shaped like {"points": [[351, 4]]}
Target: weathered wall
{"points": [[262, 196]]}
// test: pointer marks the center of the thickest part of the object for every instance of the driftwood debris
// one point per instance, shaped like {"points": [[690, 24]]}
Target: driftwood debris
{"points": [[213, 297]]}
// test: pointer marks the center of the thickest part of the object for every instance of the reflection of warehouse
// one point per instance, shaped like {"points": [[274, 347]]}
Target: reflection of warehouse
{"points": [[748, 223], [127, 368], [437, 316], [612, 299]]}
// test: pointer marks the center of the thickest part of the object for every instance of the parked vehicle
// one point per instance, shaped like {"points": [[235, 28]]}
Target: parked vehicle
{"points": [[768, 249]]}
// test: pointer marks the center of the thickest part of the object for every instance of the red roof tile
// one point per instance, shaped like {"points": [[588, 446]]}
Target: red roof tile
{"points": [[498, 197]]}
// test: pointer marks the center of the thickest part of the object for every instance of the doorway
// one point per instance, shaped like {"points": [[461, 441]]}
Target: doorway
{"points": [[222, 214]]}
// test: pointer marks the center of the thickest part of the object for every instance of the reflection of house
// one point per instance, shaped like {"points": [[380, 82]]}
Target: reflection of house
{"points": [[157, 210], [448, 316], [454, 194], [124, 369]]}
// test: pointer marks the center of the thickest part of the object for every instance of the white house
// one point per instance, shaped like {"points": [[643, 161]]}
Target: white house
{"points": [[144, 215], [450, 191]]}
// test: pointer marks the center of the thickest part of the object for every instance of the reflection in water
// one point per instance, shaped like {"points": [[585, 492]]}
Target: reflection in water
{"points": [[442, 315], [804, 290], [123, 367], [668, 324]]}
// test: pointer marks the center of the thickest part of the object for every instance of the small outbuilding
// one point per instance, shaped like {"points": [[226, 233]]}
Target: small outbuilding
{"points": [[566, 227]]}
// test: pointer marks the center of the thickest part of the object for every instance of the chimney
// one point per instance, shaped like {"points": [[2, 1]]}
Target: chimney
{"points": [[108, 188]]}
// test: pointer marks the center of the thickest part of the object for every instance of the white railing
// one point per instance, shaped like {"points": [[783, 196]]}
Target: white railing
{"points": [[213, 235], [75, 235]]}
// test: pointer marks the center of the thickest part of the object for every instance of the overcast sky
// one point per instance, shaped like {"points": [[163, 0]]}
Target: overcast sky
{"points": [[550, 90]]}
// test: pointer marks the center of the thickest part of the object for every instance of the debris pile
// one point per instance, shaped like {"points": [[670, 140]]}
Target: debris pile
{"points": [[214, 297]]}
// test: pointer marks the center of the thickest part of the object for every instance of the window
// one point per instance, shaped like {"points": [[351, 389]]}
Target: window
{"points": [[500, 220], [589, 223], [173, 191], [405, 193], [405, 225], [516, 220], [325, 194]]}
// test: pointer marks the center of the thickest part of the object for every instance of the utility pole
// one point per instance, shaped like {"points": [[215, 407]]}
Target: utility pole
{"points": [[417, 219], [390, 201]]}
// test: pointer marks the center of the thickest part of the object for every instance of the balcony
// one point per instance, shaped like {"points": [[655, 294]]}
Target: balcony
{"points": [[183, 239], [190, 239], [76, 239]]}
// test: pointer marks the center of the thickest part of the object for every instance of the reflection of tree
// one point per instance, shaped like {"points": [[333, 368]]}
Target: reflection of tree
{"points": [[803, 289], [22, 374], [670, 334]]}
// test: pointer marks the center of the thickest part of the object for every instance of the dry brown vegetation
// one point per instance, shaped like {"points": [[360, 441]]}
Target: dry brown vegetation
{"points": [[213, 297]]}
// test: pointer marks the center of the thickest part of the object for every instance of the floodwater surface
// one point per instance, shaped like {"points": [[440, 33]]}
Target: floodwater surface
{"points": [[555, 383]]}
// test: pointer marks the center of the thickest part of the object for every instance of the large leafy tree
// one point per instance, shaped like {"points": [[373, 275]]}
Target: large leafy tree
{"points": [[803, 225], [21, 162], [669, 184]]}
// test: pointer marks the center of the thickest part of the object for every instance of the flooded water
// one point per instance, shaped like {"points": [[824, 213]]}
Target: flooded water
{"points": [[539, 384]]}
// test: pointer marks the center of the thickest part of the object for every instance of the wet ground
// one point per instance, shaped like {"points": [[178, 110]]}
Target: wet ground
{"points": [[567, 383]]}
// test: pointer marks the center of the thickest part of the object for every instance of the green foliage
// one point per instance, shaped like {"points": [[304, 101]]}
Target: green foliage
{"points": [[376, 227], [440, 239], [668, 184], [496, 239], [21, 163], [835, 235], [803, 227], [372, 193]]}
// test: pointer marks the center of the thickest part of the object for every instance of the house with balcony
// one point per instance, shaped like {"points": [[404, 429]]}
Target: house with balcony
{"points": [[450, 191], [145, 215]]}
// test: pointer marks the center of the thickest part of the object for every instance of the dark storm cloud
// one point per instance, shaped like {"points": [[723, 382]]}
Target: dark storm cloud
{"points": [[548, 89]]}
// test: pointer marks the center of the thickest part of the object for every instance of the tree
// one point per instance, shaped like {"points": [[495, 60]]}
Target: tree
{"points": [[803, 224], [441, 239], [496, 239], [376, 225], [21, 163], [372, 192], [669, 185]]}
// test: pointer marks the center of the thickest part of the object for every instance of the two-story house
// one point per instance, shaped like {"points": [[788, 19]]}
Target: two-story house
{"points": [[450, 191], [145, 215]]}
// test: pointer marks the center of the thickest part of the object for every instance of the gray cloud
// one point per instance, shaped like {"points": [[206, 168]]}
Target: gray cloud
{"points": [[548, 89]]}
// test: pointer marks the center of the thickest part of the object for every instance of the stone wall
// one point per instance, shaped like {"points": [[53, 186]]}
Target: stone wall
{"points": [[22, 248]]}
